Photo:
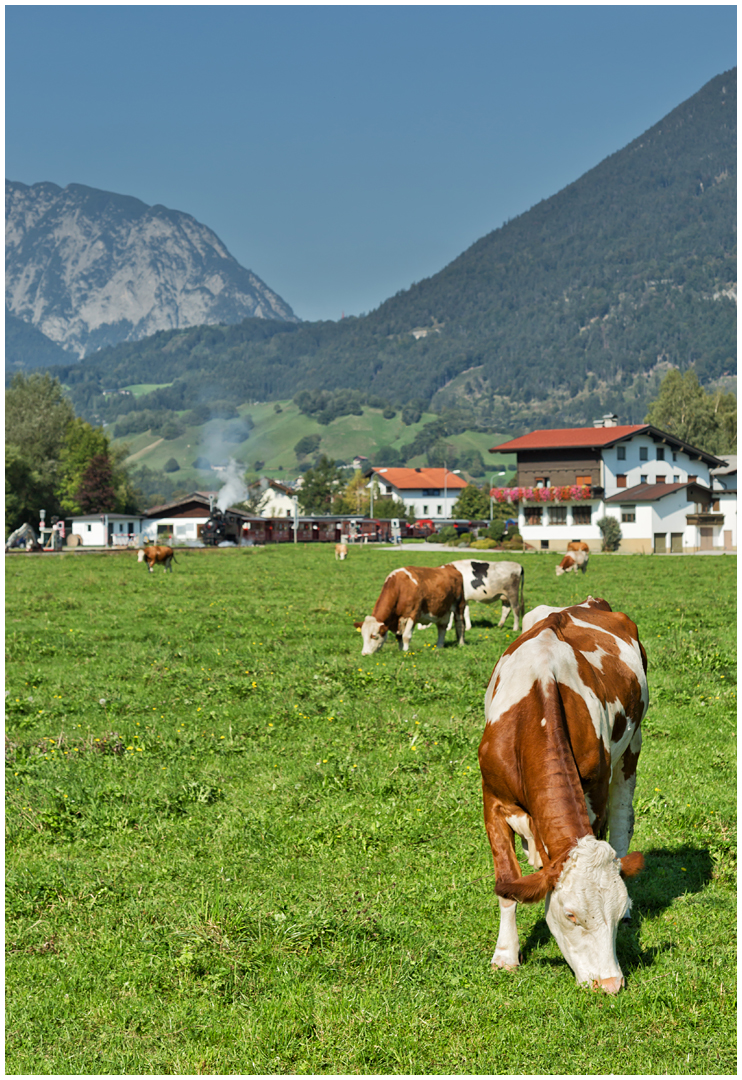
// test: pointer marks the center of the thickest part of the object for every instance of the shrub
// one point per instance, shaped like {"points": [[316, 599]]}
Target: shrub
{"points": [[465, 539], [277, 408], [483, 544], [308, 445], [171, 465], [496, 531], [389, 414], [201, 463], [611, 532], [514, 543]]}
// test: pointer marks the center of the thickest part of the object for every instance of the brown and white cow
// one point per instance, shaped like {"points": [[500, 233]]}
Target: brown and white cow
{"points": [[486, 581], [576, 561], [341, 551], [157, 553], [578, 545], [415, 594], [558, 759]]}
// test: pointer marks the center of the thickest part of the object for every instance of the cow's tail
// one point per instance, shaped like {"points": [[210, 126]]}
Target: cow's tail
{"points": [[522, 580]]}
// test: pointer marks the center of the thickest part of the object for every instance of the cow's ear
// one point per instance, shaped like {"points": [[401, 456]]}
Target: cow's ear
{"points": [[526, 890], [358, 625], [632, 864], [383, 629]]}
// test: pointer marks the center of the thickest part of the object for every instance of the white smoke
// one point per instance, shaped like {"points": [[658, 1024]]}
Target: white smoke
{"points": [[234, 489]]}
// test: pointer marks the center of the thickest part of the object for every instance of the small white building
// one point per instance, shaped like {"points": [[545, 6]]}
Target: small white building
{"points": [[107, 530], [275, 499], [428, 493]]}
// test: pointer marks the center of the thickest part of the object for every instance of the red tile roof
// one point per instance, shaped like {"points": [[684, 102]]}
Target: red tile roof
{"points": [[564, 438], [406, 479]]}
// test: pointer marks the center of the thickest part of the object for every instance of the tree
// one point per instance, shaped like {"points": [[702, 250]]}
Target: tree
{"points": [[355, 498], [472, 503], [171, 465], [96, 493], [611, 532], [321, 487], [683, 408], [82, 443], [37, 415], [307, 445]]}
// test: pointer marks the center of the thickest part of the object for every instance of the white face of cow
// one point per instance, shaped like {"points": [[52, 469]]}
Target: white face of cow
{"points": [[373, 637], [584, 910], [140, 556]]}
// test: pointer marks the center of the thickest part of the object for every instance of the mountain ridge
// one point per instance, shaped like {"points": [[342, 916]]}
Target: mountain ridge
{"points": [[90, 268]]}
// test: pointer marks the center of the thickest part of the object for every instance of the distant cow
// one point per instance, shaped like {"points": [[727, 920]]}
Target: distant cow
{"points": [[486, 582], [341, 551], [576, 561], [558, 758], [578, 545], [157, 553], [415, 594]]}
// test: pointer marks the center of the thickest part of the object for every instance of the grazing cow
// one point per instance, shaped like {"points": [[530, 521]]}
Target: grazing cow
{"points": [[415, 594], [558, 759], [576, 561], [341, 551], [157, 553], [486, 582], [578, 545]]}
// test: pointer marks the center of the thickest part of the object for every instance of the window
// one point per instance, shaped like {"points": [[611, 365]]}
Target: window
{"points": [[660, 453], [674, 456], [544, 545], [557, 515], [440, 509], [533, 515], [628, 513], [621, 480], [425, 508], [643, 478], [643, 453], [660, 480], [542, 481], [90, 528], [716, 506], [676, 478], [584, 480], [582, 515], [131, 526], [621, 453]]}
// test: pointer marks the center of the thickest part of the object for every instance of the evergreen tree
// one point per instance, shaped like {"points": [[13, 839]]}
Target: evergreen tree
{"points": [[321, 487], [96, 493]]}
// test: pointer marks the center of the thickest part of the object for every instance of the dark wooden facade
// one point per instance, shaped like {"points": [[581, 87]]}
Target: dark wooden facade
{"points": [[558, 467]]}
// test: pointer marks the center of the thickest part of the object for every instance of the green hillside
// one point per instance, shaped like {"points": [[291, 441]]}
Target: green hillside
{"points": [[568, 311], [269, 447]]}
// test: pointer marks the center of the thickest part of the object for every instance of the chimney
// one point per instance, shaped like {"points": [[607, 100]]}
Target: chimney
{"points": [[607, 420]]}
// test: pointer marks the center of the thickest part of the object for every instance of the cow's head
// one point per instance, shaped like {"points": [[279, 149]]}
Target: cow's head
{"points": [[584, 906], [140, 556], [374, 634]]}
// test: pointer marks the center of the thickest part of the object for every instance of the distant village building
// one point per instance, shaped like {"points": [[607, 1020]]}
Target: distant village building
{"points": [[658, 487], [274, 498], [428, 493]]}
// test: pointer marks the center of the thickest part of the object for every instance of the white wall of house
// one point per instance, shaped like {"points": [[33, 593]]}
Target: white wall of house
{"points": [[560, 523], [93, 529], [640, 460], [175, 529], [428, 503], [276, 504]]}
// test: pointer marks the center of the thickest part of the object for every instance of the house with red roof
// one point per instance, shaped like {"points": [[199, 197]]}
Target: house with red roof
{"points": [[657, 486], [428, 493]]}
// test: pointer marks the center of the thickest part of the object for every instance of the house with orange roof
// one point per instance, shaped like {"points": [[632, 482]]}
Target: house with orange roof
{"points": [[658, 487], [428, 493]]}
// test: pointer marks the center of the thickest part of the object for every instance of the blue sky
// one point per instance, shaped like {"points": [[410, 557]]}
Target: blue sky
{"points": [[342, 153]]}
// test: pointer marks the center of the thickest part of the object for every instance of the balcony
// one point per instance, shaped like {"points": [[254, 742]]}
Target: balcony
{"points": [[557, 494], [704, 519]]}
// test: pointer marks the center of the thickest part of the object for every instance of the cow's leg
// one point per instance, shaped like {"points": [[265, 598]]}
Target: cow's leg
{"points": [[621, 797], [151, 567], [467, 618], [505, 612], [459, 616], [409, 626], [502, 842]]}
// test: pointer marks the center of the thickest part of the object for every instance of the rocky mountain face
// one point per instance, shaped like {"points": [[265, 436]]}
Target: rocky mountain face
{"points": [[89, 268]]}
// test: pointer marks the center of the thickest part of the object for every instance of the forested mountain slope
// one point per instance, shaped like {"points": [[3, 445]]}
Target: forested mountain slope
{"points": [[573, 308]]}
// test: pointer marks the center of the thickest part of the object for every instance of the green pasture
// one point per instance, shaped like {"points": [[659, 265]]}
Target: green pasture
{"points": [[233, 844]]}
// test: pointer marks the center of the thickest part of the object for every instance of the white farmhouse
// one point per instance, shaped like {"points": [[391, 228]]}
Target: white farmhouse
{"points": [[429, 493], [657, 486]]}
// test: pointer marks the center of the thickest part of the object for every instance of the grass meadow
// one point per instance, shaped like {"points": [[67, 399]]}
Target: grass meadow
{"points": [[234, 845]]}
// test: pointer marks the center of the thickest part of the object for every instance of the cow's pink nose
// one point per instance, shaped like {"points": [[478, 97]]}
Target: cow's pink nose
{"points": [[611, 986]]}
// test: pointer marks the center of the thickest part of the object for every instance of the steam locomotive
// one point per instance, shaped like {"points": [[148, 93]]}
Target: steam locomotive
{"points": [[222, 526]]}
